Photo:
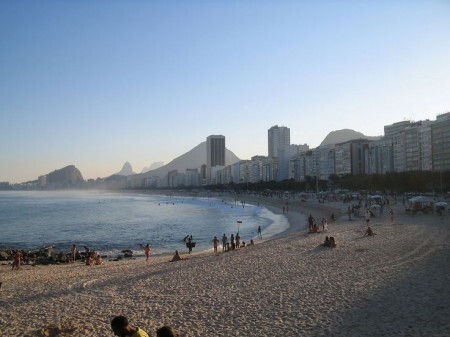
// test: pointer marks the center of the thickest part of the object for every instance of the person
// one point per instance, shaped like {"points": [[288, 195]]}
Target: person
{"points": [[326, 243], [166, 331], [315, 228], [369, 232], [98, 260], [122, 328], [232, 242], [90, 259], [367, 216], [215, 243], [74, 252], [324, 224], [311, 222], [176, 257], [349, 212], [259, 232], [391, 213], [251, 242], [189, 244], [17, 257], [332, 243], [224, 242], [238, 240], [147, 252], [333, 217]]}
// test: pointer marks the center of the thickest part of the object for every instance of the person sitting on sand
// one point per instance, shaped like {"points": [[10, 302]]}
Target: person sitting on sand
{"points": [[369, 232], [176, 257], [315, 228], [98, 260], [122, 328], [166, 331], [90, 259], [326, 243], [332, 243]]}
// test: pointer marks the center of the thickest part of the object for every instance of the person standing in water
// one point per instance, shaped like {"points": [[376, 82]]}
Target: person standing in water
{"points": [[259, 232]]}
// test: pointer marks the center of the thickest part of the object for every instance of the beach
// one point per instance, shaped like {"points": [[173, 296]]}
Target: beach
{"points": [[395, 283]]}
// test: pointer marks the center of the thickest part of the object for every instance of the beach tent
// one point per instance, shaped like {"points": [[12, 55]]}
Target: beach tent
{"points": [[420, 203], [441, 206]]}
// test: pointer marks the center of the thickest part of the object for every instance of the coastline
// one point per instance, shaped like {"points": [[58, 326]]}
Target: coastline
{"points": [[395, 283]]}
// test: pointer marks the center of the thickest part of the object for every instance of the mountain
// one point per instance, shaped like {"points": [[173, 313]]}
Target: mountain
{"points": [[127, 170], [345, 135], [68, 174], [154, 166], [192, 159]]}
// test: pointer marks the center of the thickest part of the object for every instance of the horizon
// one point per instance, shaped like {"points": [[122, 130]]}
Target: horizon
{"points": [[96, 85]]}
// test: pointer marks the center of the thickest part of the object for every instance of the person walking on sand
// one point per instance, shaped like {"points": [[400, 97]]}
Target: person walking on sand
{"points": [[74, 252], [391, 213], [147, 252], [224, 242], [259, 232], [122, 328], [367, 216], [215, 243]]}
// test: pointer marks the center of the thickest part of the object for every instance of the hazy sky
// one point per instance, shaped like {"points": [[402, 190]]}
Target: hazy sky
{"points": [[97, 83]]}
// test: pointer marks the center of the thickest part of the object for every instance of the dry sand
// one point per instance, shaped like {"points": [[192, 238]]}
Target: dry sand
{"points": [[393, 284]]}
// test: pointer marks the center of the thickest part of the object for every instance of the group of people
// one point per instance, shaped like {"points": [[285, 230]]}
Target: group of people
{"points": [[234, 243], [329, 242], [313, 227], [122, 328]]}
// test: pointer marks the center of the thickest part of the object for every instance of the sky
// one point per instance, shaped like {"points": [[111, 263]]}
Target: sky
{"points": [[97, 83]]}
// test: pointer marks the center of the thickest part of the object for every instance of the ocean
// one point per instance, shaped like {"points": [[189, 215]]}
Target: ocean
{"points": [[111, 222]]}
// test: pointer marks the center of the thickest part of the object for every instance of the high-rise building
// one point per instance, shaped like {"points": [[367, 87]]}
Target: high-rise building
{"points": [[215, 153], [279, 141], [215, 147]]}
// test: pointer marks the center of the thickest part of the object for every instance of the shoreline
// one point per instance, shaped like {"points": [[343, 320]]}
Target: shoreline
{"points": [[395, 283]]}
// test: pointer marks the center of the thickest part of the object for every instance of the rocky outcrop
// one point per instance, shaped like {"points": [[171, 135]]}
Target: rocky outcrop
{"points": [[127, 170], [68, 174]]}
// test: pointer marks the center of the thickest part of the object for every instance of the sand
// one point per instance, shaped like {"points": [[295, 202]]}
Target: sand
{"points": [[393, 284]]}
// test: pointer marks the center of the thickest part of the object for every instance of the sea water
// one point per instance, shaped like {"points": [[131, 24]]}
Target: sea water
{"points": [[111, 222]]}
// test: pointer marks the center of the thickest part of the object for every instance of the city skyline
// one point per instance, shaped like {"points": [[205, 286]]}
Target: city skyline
{"points": [[97, 85]]}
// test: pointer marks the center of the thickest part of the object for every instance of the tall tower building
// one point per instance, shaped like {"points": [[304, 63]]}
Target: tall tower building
{"points": [[215, 153], [279, 140]]}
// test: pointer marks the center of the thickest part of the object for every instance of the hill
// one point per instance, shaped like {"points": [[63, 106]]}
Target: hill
{"points": [[192, 159], [345, 135], [68, 174]]}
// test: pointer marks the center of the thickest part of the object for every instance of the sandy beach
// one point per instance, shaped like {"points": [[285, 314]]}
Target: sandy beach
{"points": [[395, 283]]}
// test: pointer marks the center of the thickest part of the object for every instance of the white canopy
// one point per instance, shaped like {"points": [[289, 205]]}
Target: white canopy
{"points": [[421, 199]]}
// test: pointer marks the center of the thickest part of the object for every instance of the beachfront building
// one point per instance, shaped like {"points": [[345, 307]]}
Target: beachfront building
{"points": [[379, 157], [349, 157], [192, 177], [215, 154], [279, 141], [324, 156], [440, 139], [270, 169]]}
